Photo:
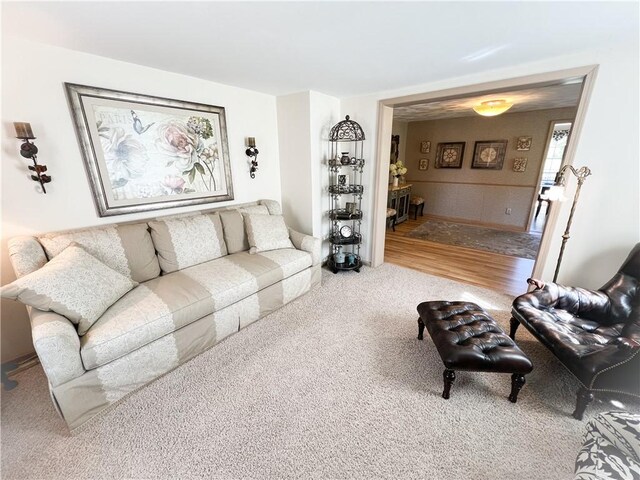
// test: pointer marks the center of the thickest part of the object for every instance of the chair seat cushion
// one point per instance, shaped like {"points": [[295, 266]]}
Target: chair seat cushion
{"points": [[391, 212], [417, 200], [583, 346], [165, 304]]}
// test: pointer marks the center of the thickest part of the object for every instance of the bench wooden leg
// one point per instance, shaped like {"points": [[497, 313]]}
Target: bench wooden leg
{"points": [[449, 377], [422, 209], [517, 382], [514, 326], [585, 397], [420, 328]]}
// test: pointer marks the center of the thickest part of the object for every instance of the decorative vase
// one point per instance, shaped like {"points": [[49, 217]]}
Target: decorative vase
{"points": [[395, 181], [338, 257], [344, 159]]}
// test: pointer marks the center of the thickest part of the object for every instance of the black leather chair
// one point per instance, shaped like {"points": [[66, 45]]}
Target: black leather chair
{"points": [[594, 333]]}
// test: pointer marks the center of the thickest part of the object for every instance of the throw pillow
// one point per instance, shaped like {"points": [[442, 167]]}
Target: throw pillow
{"points": [[74, 284], [185, 241], [266, 232]]}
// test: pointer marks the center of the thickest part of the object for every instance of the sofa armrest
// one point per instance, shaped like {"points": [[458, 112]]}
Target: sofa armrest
{"points": [[307, 243], [58, 346]]}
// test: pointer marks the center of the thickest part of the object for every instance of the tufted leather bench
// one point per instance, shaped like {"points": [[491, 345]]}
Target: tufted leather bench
{"points": [[467, 338]]}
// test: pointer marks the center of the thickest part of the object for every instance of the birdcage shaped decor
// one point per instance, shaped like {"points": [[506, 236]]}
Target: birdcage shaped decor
{"points": [[346, 164]]}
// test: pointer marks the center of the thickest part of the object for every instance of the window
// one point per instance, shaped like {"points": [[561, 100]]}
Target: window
{"points": [[555, 151]]}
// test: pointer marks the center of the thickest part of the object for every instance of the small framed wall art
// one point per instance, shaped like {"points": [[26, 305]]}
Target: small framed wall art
{"points": [[425, 147], [423, 164], [489, 154], [523, 144], [449, 155], [520, 164]]}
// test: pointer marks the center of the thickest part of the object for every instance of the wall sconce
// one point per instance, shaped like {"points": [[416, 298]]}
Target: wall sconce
{"points": [[560, 181], [29, 150], [252, 152]]}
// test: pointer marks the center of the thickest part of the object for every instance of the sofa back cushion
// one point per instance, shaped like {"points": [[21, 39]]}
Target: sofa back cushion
{"points": [[235, 235], [185, 241], [127, 249]]}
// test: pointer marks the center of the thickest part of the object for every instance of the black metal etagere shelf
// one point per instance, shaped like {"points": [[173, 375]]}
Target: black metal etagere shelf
{"points": [[346, 164]]}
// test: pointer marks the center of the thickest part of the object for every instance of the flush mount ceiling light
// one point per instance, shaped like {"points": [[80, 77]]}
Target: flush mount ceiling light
{"points": [[492, 108]]}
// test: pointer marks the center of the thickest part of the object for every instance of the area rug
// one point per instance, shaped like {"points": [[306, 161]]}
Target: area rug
{"points": [[334, 385], [515, 244]]}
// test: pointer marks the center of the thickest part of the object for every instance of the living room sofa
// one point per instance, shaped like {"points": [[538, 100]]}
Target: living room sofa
{"points": [[180, 307]]}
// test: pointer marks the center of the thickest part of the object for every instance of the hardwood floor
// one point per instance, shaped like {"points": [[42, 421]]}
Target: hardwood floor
{"points": [[498, 272]]}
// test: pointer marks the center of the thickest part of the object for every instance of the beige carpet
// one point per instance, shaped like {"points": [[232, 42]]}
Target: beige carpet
{"points": [[334, 385]]}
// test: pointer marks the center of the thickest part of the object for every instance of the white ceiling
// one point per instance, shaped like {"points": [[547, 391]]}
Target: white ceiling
{"points": [[338, 48], [555, 96]]}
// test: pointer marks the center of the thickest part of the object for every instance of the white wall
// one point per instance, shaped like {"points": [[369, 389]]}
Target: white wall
{"points": [[295, 160], [32, 91], [304, 122], [607, 222], [324, 114]]}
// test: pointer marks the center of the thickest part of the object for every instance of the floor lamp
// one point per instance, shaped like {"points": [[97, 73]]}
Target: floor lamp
{"points": [[581, 174]]}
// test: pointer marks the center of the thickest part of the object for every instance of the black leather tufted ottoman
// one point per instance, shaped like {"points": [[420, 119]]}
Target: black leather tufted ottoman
{"points": [[467, 338]]}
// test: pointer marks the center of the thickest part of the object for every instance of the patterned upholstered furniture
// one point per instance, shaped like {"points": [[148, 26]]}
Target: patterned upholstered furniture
{"points": [[611, 448], [594, 333], [417, 203], [391, 218], [198, 283], [468, 338]]}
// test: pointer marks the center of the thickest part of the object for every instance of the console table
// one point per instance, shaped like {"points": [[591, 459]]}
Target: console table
{"points": [[398, 199]]}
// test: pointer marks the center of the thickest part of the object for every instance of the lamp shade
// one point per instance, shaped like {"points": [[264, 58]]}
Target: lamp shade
{"points": [[492, 108]]}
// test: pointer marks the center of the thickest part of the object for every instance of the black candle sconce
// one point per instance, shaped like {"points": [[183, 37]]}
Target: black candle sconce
{"points": [[252, 152], [29, 150]]}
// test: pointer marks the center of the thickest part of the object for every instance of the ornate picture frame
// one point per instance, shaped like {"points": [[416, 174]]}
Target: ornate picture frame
{"points": [[423, 164], [524, 144], [489, 154], [425, 147], [146, 153], [450, 155], [520, 164]]}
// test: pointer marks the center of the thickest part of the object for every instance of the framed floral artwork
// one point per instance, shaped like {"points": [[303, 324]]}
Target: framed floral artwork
{"points": [[524, 144], [425, 147], [489, 154], [423, 164], [449, 155], [148, 153]]}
